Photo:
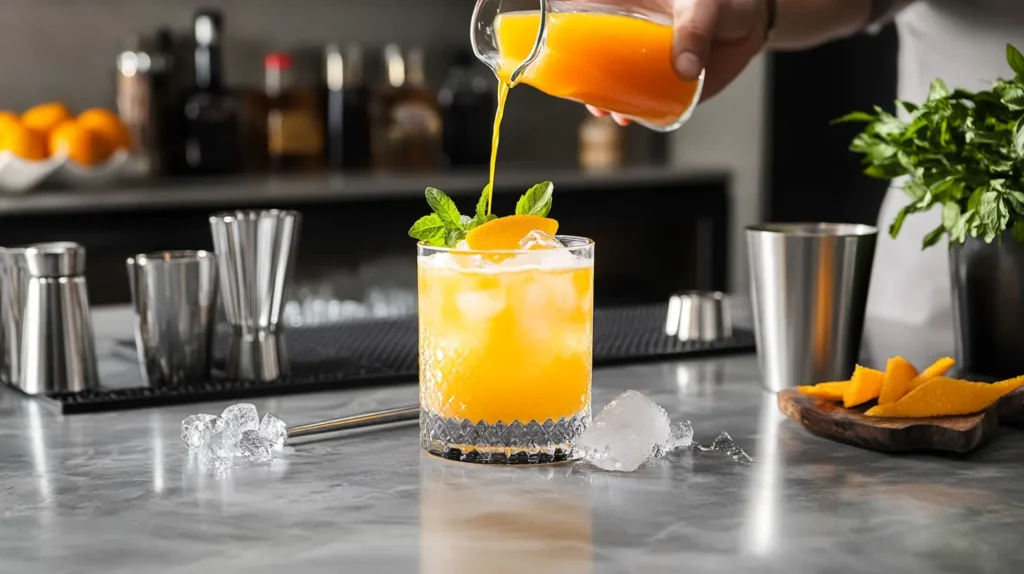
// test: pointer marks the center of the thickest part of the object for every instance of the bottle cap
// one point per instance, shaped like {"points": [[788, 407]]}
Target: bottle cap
{"points": [[278, 61], [207, 27]]}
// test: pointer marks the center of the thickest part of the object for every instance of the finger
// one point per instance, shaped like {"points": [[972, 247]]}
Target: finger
{"points": [[621, 120], [726, 62], [596, 111], [695, 22]]}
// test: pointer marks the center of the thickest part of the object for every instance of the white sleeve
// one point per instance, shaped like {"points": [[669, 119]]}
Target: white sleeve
{"points": [[882, 12]]}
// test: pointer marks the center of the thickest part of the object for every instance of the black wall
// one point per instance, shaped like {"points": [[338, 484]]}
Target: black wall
{"points": [[813, 175]]}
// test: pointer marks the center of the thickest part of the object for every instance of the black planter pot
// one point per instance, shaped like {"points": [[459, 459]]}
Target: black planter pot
{"points": [[988, 306]]}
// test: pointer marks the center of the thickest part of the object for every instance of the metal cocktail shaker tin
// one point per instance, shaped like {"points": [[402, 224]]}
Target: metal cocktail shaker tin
{"points": [[58, 350], [809, 291]]}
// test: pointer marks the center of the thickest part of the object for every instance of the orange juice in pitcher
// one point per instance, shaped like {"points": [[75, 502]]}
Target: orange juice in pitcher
{"points": [[613, 54]]}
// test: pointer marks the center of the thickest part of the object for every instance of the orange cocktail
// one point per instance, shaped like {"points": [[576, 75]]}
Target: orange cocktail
{"points": [[596, 54], [505, 351]]}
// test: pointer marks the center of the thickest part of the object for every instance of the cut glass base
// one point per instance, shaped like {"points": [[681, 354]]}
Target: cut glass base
{"points": [[501, 443]]}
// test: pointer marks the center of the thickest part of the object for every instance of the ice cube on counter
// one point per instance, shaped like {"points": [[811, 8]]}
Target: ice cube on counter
{"points": [[255, 448], [218, 451], [633, 430], [274, 430], [628, 432], [196, 429], [682, 434], [726, 446], [240, 418], [237, 433]]}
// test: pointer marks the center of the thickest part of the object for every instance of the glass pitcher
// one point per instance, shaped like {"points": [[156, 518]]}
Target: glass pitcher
{"points": [[612, 54]]}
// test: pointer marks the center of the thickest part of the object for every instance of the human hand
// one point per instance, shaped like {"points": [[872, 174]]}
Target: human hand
{"points": [[717, 36]]}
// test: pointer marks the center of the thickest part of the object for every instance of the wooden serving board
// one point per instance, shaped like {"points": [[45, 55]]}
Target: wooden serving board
{"points": [[959, 434]]}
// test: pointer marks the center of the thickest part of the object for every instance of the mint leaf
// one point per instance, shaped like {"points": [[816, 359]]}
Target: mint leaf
{"points": [[894, 228], [854, 117], [536, 200], [445, 208], [950, 215], [481, 204], [1016, 60], [1018, 138], [453, 237], [937, 91], [429, 229], [481, 216], [933, 237]]}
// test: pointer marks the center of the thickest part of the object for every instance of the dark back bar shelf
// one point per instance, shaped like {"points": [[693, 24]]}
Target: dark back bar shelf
{"points": [[657, 231]]}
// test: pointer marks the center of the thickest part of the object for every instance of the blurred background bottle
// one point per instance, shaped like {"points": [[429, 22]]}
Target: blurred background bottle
{"points": [[468, 100], [602, 143], [347, 109], [210, 116], [136, 105], [409, 128], [295, 139]]}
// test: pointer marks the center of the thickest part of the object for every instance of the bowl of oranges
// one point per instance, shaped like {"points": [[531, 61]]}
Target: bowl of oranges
{"points": [[48, 144]]}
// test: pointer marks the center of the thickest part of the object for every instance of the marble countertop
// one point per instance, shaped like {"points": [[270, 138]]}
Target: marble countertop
{"points": [[117, 492]]}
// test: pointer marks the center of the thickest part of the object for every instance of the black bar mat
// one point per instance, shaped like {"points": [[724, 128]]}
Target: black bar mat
{"points": [[375, 352]]}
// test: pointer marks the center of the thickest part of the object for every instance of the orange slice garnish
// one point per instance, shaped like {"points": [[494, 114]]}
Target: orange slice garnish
{"points": [[505, 233]]}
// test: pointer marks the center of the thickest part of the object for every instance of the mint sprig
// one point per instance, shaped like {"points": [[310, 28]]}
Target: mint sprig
{"points": [[446, 227], [959, 151]]}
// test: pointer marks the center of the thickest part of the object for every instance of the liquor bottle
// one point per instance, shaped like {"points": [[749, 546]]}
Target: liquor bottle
{"points": [[409, 130], [602, 144], [143, 71], [467, 100], [211, 117], [295, 139], [135, 106], [347, 109]]}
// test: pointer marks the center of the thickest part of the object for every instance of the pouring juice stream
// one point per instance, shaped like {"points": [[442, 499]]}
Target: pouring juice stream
{"points": [[604, 59]]}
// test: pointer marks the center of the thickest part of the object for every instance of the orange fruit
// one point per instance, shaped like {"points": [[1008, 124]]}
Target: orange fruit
{"points": [[107, 125], [506, 232], [44, 118], [8, 118], [82, 145], [22, 142]]}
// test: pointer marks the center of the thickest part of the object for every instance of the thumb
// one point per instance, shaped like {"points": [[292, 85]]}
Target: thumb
{"points": [[694, 28]]}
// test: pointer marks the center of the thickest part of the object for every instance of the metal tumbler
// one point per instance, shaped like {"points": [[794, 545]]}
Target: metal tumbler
{"points": [[255, 262], [174, 295], [809, 290]]}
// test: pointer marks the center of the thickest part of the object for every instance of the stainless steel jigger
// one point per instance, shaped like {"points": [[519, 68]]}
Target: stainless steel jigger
{"points": [[698, 316], [255, 259], [58, 350]]}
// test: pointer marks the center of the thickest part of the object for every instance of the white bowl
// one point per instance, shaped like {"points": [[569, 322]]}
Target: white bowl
{"points": [[71, 174], [19, 176]]}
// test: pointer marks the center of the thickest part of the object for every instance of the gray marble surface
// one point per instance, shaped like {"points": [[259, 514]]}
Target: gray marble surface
{"points": [[118, 492]]}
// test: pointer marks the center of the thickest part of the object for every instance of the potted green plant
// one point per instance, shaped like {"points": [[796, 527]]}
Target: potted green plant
{"points": [[963, 152]]}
